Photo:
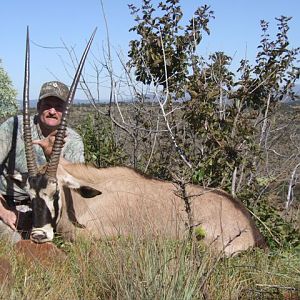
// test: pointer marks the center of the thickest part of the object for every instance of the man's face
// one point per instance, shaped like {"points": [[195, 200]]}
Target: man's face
{"points": [[50, 112]]}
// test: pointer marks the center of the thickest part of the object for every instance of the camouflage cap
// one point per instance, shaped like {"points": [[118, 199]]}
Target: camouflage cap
{"points": [[54, 89]]}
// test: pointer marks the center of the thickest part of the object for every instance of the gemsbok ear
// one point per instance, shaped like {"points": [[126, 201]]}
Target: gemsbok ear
{"points": [[18, 178], [84, 190], [69, 181]]}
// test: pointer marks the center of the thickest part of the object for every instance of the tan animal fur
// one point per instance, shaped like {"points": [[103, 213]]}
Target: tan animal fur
{"points": [[134, 205]]}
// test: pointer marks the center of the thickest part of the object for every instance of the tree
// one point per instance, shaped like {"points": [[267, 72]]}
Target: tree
{"points": [[8, 102], [224, 113], [193, 118], [164, 52]]}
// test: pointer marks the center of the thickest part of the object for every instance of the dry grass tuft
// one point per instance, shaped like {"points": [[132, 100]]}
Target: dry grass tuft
{"points": [[152, 269]]}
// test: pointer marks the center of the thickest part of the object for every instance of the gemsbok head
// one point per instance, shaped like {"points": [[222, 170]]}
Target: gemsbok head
{"points": [[43, 187]]}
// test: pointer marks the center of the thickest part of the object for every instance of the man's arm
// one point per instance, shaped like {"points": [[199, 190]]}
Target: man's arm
{"points": [[6, 133], [6, 215]]}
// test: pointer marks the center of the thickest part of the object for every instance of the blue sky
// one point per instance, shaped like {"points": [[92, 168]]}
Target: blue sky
{"points": [[235, 30]]}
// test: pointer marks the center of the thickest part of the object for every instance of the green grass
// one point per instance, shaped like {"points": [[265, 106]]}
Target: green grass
{"points": [[152, 269]]}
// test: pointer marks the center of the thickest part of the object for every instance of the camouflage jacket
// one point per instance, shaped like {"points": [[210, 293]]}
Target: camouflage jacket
{"points": [[13, 159]]}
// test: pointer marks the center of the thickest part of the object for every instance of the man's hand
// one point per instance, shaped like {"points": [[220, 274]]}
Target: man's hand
{"points": [[9, 218], [47, 143]]}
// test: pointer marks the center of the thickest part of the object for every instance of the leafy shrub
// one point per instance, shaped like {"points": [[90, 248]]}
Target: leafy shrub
{"points": [[8, 104], [101, 148]]}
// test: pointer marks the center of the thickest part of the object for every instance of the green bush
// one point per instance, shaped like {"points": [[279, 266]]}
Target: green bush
{"points": [[101, 148], [8, 103]]}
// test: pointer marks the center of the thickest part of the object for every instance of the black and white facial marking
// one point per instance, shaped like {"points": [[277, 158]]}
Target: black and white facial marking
{"points": [[46, 207]]}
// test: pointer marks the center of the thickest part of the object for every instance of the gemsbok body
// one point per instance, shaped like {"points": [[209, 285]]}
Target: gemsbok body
{"points": [[119, 201], [80, 200]]}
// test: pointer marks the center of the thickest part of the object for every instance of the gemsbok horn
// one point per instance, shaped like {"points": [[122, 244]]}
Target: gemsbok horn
{"points": [[49, 177]]}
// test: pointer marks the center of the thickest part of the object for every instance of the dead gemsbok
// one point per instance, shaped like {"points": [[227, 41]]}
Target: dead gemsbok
{"points": [[118, 201]]}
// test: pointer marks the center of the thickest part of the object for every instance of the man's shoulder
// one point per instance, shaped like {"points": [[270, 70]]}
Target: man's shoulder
{"points": [[10, 119], [11, 122], [72, 132], [15, 123], [74, 139]]}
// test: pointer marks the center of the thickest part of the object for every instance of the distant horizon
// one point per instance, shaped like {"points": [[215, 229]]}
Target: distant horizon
{"points": [[75, 100], [33, 102], [84, 101]]}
